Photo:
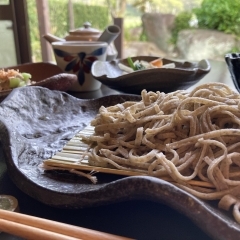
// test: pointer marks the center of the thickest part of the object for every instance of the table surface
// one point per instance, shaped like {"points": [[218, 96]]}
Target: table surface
{"points": [[140, 219]]}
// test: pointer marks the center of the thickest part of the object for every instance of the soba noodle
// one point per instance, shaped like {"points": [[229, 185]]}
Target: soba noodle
{"points": [[182, 135]]}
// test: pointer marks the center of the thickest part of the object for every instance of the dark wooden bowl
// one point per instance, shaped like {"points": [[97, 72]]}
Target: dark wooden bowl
{"points": [[183, 76]]}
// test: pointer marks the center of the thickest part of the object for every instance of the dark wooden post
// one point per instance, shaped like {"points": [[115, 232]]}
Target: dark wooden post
{"points": [[119, 40]]}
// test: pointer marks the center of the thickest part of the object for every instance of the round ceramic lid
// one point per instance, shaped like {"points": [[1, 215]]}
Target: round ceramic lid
{"points": [[85, 30]]}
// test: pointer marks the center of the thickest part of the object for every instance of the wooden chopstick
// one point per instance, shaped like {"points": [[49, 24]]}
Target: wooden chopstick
{"points": [[30, 227], [31, 233]]}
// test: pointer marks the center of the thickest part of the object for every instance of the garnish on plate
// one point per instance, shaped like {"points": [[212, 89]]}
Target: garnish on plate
{"points": [[143, 65], [11, 78]]}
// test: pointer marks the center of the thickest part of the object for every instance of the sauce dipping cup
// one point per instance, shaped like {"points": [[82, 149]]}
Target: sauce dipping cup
{"points": [[77, 57]]}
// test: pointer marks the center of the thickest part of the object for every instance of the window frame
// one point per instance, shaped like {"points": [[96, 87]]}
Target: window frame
{"points": [[16, 11]]}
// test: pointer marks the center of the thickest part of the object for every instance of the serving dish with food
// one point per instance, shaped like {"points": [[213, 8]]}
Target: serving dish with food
{"points": [[149, 72], [34, 74], [11, 78], [207, 131]]}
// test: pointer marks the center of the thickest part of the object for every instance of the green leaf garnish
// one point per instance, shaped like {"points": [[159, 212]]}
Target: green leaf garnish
{"points": [[130, 63]]}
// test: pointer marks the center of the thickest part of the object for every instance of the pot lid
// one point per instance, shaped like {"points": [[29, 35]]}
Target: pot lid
{"points": [[85, 30]]}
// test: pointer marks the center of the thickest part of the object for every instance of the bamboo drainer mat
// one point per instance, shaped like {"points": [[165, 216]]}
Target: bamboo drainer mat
{"points": [[73, 157]]}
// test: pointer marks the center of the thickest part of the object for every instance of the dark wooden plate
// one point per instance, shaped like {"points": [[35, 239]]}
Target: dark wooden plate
{"points": [[36, 122], [184, 75]]}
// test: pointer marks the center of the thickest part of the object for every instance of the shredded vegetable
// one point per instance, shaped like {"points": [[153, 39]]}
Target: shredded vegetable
{"points": [[143, 65], [11, 78]]}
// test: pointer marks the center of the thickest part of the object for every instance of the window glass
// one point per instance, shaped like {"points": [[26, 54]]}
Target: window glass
{"points": [[4, 2], [182, 29], [7, 45]]}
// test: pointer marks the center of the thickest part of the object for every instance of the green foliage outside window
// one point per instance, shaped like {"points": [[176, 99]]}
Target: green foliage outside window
{"points": [[98, 16], [58, 16], [34, 31], [221, 15], [182, 21]]}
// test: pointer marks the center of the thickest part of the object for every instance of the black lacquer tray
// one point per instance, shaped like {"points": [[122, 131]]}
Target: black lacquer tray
{"points": [[36, 122], [233, 63]]}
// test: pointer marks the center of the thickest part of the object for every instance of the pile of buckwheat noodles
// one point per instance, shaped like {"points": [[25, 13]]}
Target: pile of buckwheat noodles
{"points": [[182, 135]]}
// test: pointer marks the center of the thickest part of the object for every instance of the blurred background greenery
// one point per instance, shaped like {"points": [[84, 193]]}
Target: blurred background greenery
{"points": [[221, 15], [85, 10]]}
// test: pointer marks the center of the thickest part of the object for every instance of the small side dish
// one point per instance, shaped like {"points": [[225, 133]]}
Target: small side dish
{"points": [[165, 75], [143, 65], [42, 74], [11, 78]]}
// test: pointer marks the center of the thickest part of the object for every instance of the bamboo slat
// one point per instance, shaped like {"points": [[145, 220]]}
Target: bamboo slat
{"points": [[72, 157]]}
